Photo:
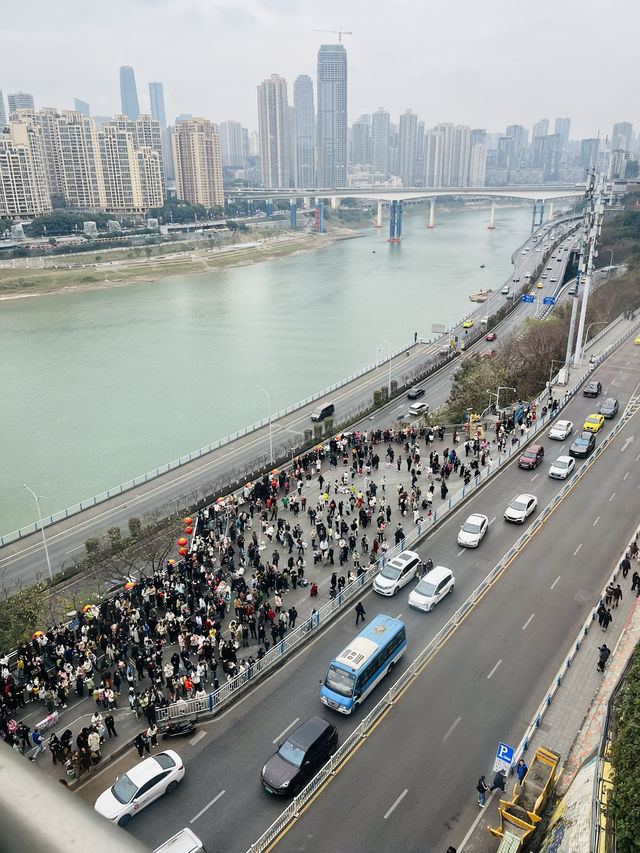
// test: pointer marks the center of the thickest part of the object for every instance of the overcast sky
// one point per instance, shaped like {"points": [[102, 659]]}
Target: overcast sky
{"points": [[485, 64]]}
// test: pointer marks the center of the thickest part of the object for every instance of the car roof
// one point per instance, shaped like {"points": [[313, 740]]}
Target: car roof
{"points": [[477, 516], [524, 497], [564, 459], [145, 770], [560, 424], [534, 447], [610, 401], [402, 559], [438, 573], [595, 415], [309, 732]]}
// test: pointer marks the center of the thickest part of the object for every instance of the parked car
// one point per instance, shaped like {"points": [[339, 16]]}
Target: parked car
{"points": [[299, 757], [583, 444], [560, 430], [592, 389], [473, 530], [532, 457], [609, 409], [140, 786], [416, 393], [396, 573], [521, 508], [433, 587], [562, 467]]}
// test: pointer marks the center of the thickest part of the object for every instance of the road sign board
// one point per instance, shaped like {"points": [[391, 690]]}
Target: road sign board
{"points": [[527, 297], [504, 757], [549, 300]]}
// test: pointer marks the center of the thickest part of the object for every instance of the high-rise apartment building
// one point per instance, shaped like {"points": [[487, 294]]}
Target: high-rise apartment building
{"points": [[198, 162], [20, 101], [380, 122], [561, 128], [128, 92], [24, 189], [478, 165], [77, 160], [331, 92], [439, 155], [361, 141], [132, 176], [3, 114], [519, 137], [418, 175], [232, 144], [145, 132], [622, 136], [274, 130], [540, 128], [81, 107], [589, 153], [407, 146], [156, 99], [305, 126], [461, 156]]}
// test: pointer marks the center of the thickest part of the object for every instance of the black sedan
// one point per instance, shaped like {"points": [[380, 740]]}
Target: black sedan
{"points": [[416, 393], [592, 389], [609, 409], [583, 444], [300, 757]]}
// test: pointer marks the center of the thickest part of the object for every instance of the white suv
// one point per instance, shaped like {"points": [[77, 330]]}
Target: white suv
{"points": [[396, 573]]}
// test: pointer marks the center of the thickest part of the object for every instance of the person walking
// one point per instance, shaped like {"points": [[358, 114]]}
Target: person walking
{"points": [[141, 743], [40, 745], [152, 734], [603, 657], [360, 613], [111, 725], [499, 781], [482, 789], [521, 770]]}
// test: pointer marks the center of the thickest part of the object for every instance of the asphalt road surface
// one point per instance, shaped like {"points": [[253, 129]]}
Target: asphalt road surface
{"points": [[483, 686]]}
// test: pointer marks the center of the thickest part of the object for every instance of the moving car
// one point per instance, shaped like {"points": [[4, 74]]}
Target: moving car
{"points": [[593, 423], [539, 285], [140, 786], [609, 408], [562, 467], [322, 412], [521, 508], [592, 389], [637, 340], [491, 336], [505, 289], [397, 572], [582, 444], [432, 588], [560, 430], [467, 324], [299, 757], [416, 393], [532, 457], [417, 409], [473, 530], [489, 353]]}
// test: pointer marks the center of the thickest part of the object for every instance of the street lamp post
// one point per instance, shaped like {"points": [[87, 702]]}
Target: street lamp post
{"points": [[268, 396], [610, 262], [37, 499], [586, 334], [389, 378], [503, 388]]}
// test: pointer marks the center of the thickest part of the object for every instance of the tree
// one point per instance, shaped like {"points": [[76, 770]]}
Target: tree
{"points": [[624, 803]]}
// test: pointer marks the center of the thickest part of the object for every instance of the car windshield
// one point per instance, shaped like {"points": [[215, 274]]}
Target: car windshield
{"points": [[390, 572], [291, 753], [529, 454], [582, 441], [562, 425], [518, 504], [471, 527], [560, 463], [124, 790], [425, 587], [340, 681]]}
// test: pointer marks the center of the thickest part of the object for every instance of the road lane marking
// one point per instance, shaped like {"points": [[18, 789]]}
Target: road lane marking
{"points": [[555, 582], [283, 733], [399, 615], [450, 729], [577, 549], [494, 669], [198, 737], [534, 476], [208, 806], [596, 521], [397, 802], [528, 622], [613, 494], [492, 520], [637, 457], [461, 551], [625, 476]]}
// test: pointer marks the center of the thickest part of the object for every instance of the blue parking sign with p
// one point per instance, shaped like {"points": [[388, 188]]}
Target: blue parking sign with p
{"points": [[504, 757]]}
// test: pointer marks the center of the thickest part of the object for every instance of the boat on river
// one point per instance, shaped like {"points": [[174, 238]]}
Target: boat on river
{"points": [[480, 296]]}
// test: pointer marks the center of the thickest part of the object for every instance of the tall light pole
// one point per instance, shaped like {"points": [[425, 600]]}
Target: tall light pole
{"points": [[503, 388], [37, 499], [586, 334], [268, 396], [610, 262], [389, 378]]}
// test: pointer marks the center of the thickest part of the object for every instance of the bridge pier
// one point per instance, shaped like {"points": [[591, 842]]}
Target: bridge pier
{"points": [[319, 220], [491, 225], [550, 211], [250, 208], [379, 217], [432, 213], [293, 213], [334, 202], [395, 222], [533, 218], [268, 207]]}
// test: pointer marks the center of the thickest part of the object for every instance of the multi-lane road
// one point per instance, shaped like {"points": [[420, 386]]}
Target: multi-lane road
{"points": [[481, 687], [23, 560]]}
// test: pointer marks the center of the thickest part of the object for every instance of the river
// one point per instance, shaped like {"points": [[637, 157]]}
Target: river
{"points": [[103, 385]]}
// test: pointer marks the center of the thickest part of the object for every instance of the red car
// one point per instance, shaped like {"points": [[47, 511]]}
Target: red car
{"points": [[532, 457], [491, 336]]}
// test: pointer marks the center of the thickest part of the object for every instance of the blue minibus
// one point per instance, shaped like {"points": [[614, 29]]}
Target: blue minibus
{"points": [[364, 662]]}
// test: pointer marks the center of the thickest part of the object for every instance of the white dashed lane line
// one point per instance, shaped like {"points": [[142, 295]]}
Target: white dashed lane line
{"points": [[397, 802], [577, 549], [494, 669]]}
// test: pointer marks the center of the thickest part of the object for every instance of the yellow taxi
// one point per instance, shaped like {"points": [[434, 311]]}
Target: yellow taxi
{"points": [[593, 423], [637, 341], [467, 324], [540, 284]]}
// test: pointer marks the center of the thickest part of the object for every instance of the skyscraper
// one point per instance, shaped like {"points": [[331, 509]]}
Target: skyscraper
{"points": [[361, 141], [232, 144], [145, 132], [589, 152], [156, 97], [305, 131], [408, 140], [380, 142], [540, 128], [461, 156], [132, 176], [198, 162], [3, 114], [81, 107], [128, 92], [20, 101], [478, 165], [24, 189], [274, 129], [332, 116], [561, 129], [622, 136]]}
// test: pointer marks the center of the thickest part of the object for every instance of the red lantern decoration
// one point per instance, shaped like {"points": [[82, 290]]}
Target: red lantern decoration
{"points": [[182, 542], [188, 530], [187, 520], [183, 552]]}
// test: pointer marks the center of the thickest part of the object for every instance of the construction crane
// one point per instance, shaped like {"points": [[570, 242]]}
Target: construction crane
{"points": [[340, 33]]}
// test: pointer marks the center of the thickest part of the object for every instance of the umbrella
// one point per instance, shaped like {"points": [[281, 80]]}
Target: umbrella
{"points": [[38, 634], [171, 562], [129, 585], [275, 471], [87, 607], [248, 485], [219, 501]]}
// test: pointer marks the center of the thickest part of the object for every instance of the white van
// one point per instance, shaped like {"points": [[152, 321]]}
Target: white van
{"points": [[418, 409], [505, 290], [184, 841]]}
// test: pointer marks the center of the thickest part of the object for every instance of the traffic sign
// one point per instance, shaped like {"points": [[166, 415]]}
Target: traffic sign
{"points": [[549, 300], [504, 757], [527, 297]]}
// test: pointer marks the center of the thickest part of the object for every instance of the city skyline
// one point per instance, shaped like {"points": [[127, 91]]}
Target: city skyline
{"points": [[459, 78]]}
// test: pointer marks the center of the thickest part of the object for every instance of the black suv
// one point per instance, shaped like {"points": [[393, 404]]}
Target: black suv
{"points": [[415, 393], [583, 444], [300, 757], [592, 389], [609, 409]]}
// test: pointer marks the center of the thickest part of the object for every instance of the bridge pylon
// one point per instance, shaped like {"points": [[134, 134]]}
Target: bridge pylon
{"points": [[395, 222], [491, 225], [379, 216], [432, 213]]}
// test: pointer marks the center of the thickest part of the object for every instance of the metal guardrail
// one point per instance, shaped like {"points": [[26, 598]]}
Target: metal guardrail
{"points": [[414, 668]]}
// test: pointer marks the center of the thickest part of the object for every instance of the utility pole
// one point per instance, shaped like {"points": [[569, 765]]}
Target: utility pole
{"points": [[596, 225]]}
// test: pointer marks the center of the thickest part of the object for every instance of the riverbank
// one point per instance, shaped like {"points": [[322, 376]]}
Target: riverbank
{"points": [[122, 269]]}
